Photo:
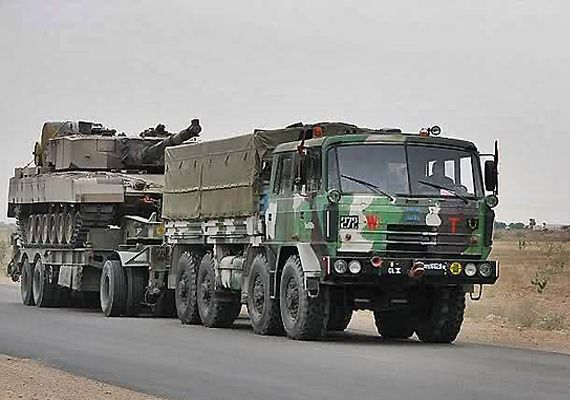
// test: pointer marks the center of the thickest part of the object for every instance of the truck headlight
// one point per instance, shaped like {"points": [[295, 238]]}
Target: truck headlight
{"points": [[485, 270], [470, 270], [355, 267], [340, 266]]}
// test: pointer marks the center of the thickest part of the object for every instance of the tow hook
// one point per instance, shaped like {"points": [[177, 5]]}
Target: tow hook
{"points": [[417, 270]]}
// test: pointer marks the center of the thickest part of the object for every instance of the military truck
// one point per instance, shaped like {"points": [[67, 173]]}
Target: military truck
{"points": [[93, 195], [308, 223]]}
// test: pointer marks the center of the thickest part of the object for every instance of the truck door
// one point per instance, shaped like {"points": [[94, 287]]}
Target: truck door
{"points": [[279, 213], [306, 184]]}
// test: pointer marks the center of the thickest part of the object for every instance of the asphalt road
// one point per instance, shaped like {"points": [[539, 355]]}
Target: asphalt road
{"points": [[164, 358]]}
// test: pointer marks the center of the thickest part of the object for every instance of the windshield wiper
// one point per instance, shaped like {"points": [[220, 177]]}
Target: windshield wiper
{"points": [[450, 190], [370, 186]]}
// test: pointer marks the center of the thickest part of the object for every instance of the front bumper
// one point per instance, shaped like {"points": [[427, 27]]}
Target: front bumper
{"points": [[392, 270]]}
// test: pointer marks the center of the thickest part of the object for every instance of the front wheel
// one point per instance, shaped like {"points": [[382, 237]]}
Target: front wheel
{"points": [[263, 310], [444, 315], [113, 289], [304, 317]]}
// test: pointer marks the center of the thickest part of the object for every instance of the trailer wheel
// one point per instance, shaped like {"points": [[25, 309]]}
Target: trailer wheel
{"points": [[444, 315], [113, 289], [43, 288], [394, 324], [304, 317], [185, 294], [216, 310], [263, 310], [136, 285], [339, 317], [164, 306], [26, 285]]}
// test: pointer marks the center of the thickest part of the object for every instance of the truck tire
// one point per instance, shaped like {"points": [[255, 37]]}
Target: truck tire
{"points": [[339, 317], [136, 285], [304, 317], [394, 324], [113, 289], [44, 290], [185, 292], [164, 306], [444, 315], [263, 310], [26, 286], [216, 310]]}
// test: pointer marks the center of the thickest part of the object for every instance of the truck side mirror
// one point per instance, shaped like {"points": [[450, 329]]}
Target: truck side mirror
{"points": [[491, 175]]}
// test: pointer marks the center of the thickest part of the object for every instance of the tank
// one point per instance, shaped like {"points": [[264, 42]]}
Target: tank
{"points": [[87, 176]]}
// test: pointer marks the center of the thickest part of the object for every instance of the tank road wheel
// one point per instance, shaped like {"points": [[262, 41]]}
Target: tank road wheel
{"points": [[69, 226], [60, 227], [339, 317], [304, 317], [394, 324], [45, 228], [444, 315], [185, 294], [44, 290], [216, 310], [52, 228], [113, 289], [26, 283], [263, 310], [136, 284], [38, 229]]}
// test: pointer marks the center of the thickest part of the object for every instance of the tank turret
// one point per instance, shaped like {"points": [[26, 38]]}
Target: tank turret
{"points": [[69, 146]]}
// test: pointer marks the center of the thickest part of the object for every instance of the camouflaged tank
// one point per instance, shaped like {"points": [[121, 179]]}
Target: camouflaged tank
{"points": [[308, 223], [82, 197]]}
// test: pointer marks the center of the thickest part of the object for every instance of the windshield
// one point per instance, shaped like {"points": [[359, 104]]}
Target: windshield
{"points": [[404, 170]]}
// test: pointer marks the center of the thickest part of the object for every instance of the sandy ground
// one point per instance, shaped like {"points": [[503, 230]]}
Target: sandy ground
{"points": [[30, 380]]}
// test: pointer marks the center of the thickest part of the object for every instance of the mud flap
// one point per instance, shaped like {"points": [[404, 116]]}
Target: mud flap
{"points": [[311, 268]]}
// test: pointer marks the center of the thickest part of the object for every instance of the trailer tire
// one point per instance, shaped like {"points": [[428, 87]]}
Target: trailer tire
{"points": [[185, 293], [263, 311], [394, 324], [339, 317], [216, 310], [43, 288], [26, 286], [113, 289], [304, 317], [136, 281], [444, 315]]}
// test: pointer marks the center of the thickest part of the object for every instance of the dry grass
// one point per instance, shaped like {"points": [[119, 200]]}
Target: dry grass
{"points": [[532, 291]]}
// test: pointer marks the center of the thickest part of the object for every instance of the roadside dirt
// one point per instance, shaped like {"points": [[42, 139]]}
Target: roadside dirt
{"points": [[30, 380]]}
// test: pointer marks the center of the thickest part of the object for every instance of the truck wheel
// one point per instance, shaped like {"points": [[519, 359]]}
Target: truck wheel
{"points": [[304, 317], [185, 291], [43, 289], [394, 324], [263, 310], [339, 317], [113, 289], [164, 306], [444, 316], [26, 286], [136, 285], [216, 311]]}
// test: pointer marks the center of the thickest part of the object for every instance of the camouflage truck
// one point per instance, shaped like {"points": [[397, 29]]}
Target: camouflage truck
{"points": [[308, 223], [92, 196]]}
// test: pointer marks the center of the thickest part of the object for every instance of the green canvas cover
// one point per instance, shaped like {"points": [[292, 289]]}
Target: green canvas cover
{"points": [[220, 178]]}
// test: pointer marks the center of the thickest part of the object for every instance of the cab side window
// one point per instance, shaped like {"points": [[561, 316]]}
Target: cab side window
{"points": [[307, 169], [284, 174]]}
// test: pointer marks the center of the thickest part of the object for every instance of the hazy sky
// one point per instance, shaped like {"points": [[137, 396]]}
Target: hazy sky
{"points": [[482, 70]]}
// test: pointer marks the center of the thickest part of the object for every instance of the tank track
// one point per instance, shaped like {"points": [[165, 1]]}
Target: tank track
{"points": [[86, 217]]}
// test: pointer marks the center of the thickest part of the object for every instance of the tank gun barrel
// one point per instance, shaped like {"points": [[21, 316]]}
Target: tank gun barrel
{"points": [[156, 150]]}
